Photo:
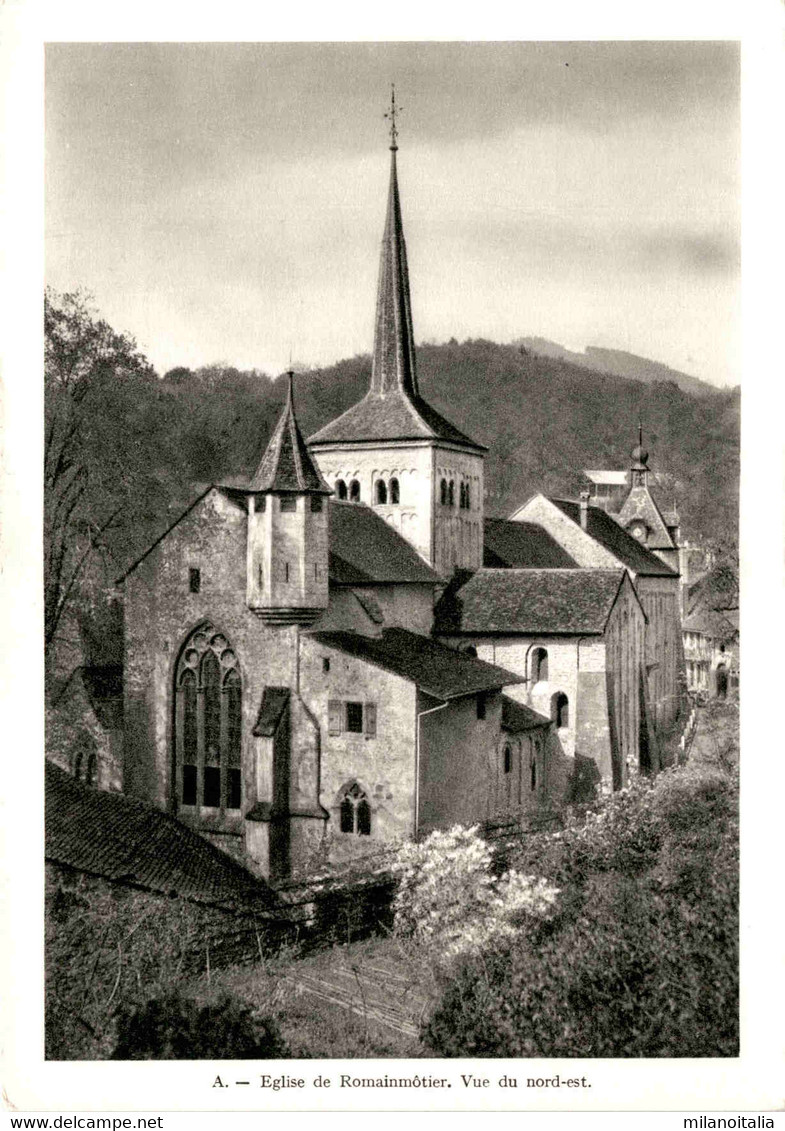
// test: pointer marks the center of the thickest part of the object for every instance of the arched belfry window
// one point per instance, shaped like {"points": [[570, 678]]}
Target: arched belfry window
{"points": [[539, 665], [354, 491], [451, 493], [443, 492], [340, 489], [355, 810], [208, 723], [381, 491], [395, 491]]}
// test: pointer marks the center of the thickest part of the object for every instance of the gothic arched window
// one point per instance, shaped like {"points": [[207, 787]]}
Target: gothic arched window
{"points": [[560, 709], [395, 491], [355, 811], [539, 665], [340, 488], [381, 491], [354, 491], [208, 723]]}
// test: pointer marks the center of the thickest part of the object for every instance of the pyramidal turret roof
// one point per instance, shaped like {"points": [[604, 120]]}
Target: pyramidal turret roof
{"points": [[287, 464], [392, 409]]}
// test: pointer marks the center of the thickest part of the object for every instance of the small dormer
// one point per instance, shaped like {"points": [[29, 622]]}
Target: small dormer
{"points": [[288, 529]]}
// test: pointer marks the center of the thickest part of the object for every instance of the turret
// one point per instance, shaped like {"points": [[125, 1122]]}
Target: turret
{"points": [[288, 529]]}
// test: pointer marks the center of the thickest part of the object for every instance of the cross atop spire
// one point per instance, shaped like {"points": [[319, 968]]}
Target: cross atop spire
{"points": [[391, 115]]}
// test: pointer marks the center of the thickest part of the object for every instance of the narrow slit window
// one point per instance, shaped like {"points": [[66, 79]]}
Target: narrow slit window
{"points": [[381, 492], [194, 580], [354, 491], [507, 758], [395, 491]]}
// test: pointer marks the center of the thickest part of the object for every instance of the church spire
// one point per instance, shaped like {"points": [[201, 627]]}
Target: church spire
{"points": [[393, 368], [287, 464]]}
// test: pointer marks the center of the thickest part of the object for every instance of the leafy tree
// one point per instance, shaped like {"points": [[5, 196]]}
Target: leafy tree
{"points": [[91, 376]]}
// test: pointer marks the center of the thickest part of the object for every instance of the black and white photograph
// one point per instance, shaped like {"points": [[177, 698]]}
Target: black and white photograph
{"points": [[391, 444]]}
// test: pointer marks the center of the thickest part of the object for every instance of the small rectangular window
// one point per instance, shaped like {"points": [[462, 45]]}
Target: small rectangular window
{"points": [[288, 503], [354, 718], [194, 580], [316, 502], [189, 785], [481, 703], [325, 663], [261, 503], [233, 789], [334, 713], [212, 787]]}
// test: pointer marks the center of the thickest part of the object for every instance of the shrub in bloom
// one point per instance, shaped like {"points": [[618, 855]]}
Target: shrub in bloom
{"points": [[447, 895]]}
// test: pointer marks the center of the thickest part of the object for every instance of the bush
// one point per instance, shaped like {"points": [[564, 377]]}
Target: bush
{"points": [[174, 1026], [641, 958], [448, 897]]}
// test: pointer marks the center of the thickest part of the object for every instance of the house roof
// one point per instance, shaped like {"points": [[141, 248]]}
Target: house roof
{"points": [[522, 545], [436, 669], [274, 703], [393, 408], [641, 504], [537, 602], [110, 835], [606, 530], [612, 478], [517, 717], [364, 549], [287, 465]]}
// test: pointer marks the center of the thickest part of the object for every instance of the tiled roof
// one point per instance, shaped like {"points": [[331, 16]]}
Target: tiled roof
{"points": [[364, 549], [522, 545], [273, 705], [622, 545], [110, 835], [641, 504], [537, 602], [287, 465], [517, 717], [437, 670], [395, 416]]}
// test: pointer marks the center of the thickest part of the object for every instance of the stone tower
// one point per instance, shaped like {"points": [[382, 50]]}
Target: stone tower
{"points": [[288, 517], [392, 450], [641, 516]]}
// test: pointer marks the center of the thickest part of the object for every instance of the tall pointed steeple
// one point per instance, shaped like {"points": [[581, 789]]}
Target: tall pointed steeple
{"points": [[394, 366]]}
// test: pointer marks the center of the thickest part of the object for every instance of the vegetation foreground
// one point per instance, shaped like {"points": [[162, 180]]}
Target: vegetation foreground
{"points": [[616, 936]]}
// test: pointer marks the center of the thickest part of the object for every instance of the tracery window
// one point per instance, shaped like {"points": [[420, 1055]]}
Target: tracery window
{"points": [[340, 489], [355, 811], [208, 723]]}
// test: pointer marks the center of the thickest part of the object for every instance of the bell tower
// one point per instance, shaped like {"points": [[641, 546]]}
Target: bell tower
{"points": [[394, 451], [288, 529]]}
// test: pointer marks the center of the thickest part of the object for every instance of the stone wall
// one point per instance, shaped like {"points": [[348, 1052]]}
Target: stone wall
{"points": [[458, 761]]}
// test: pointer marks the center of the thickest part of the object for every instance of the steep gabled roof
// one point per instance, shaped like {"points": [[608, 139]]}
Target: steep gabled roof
{"points": [[608, 532], [364, 549], [110, 835], [393, 408], [522, 545], [437, 670], [641, 504], [518, 718], [287, 465], [534, 602]]}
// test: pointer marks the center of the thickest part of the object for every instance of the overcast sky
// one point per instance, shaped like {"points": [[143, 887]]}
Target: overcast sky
{"points": [[225, 201]]}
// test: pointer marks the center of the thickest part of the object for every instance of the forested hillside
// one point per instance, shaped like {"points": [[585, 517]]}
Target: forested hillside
{"points": [[126, 447]]}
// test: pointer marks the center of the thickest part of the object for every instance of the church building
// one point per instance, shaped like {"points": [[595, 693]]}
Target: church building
{"points": [[343, 651]]}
